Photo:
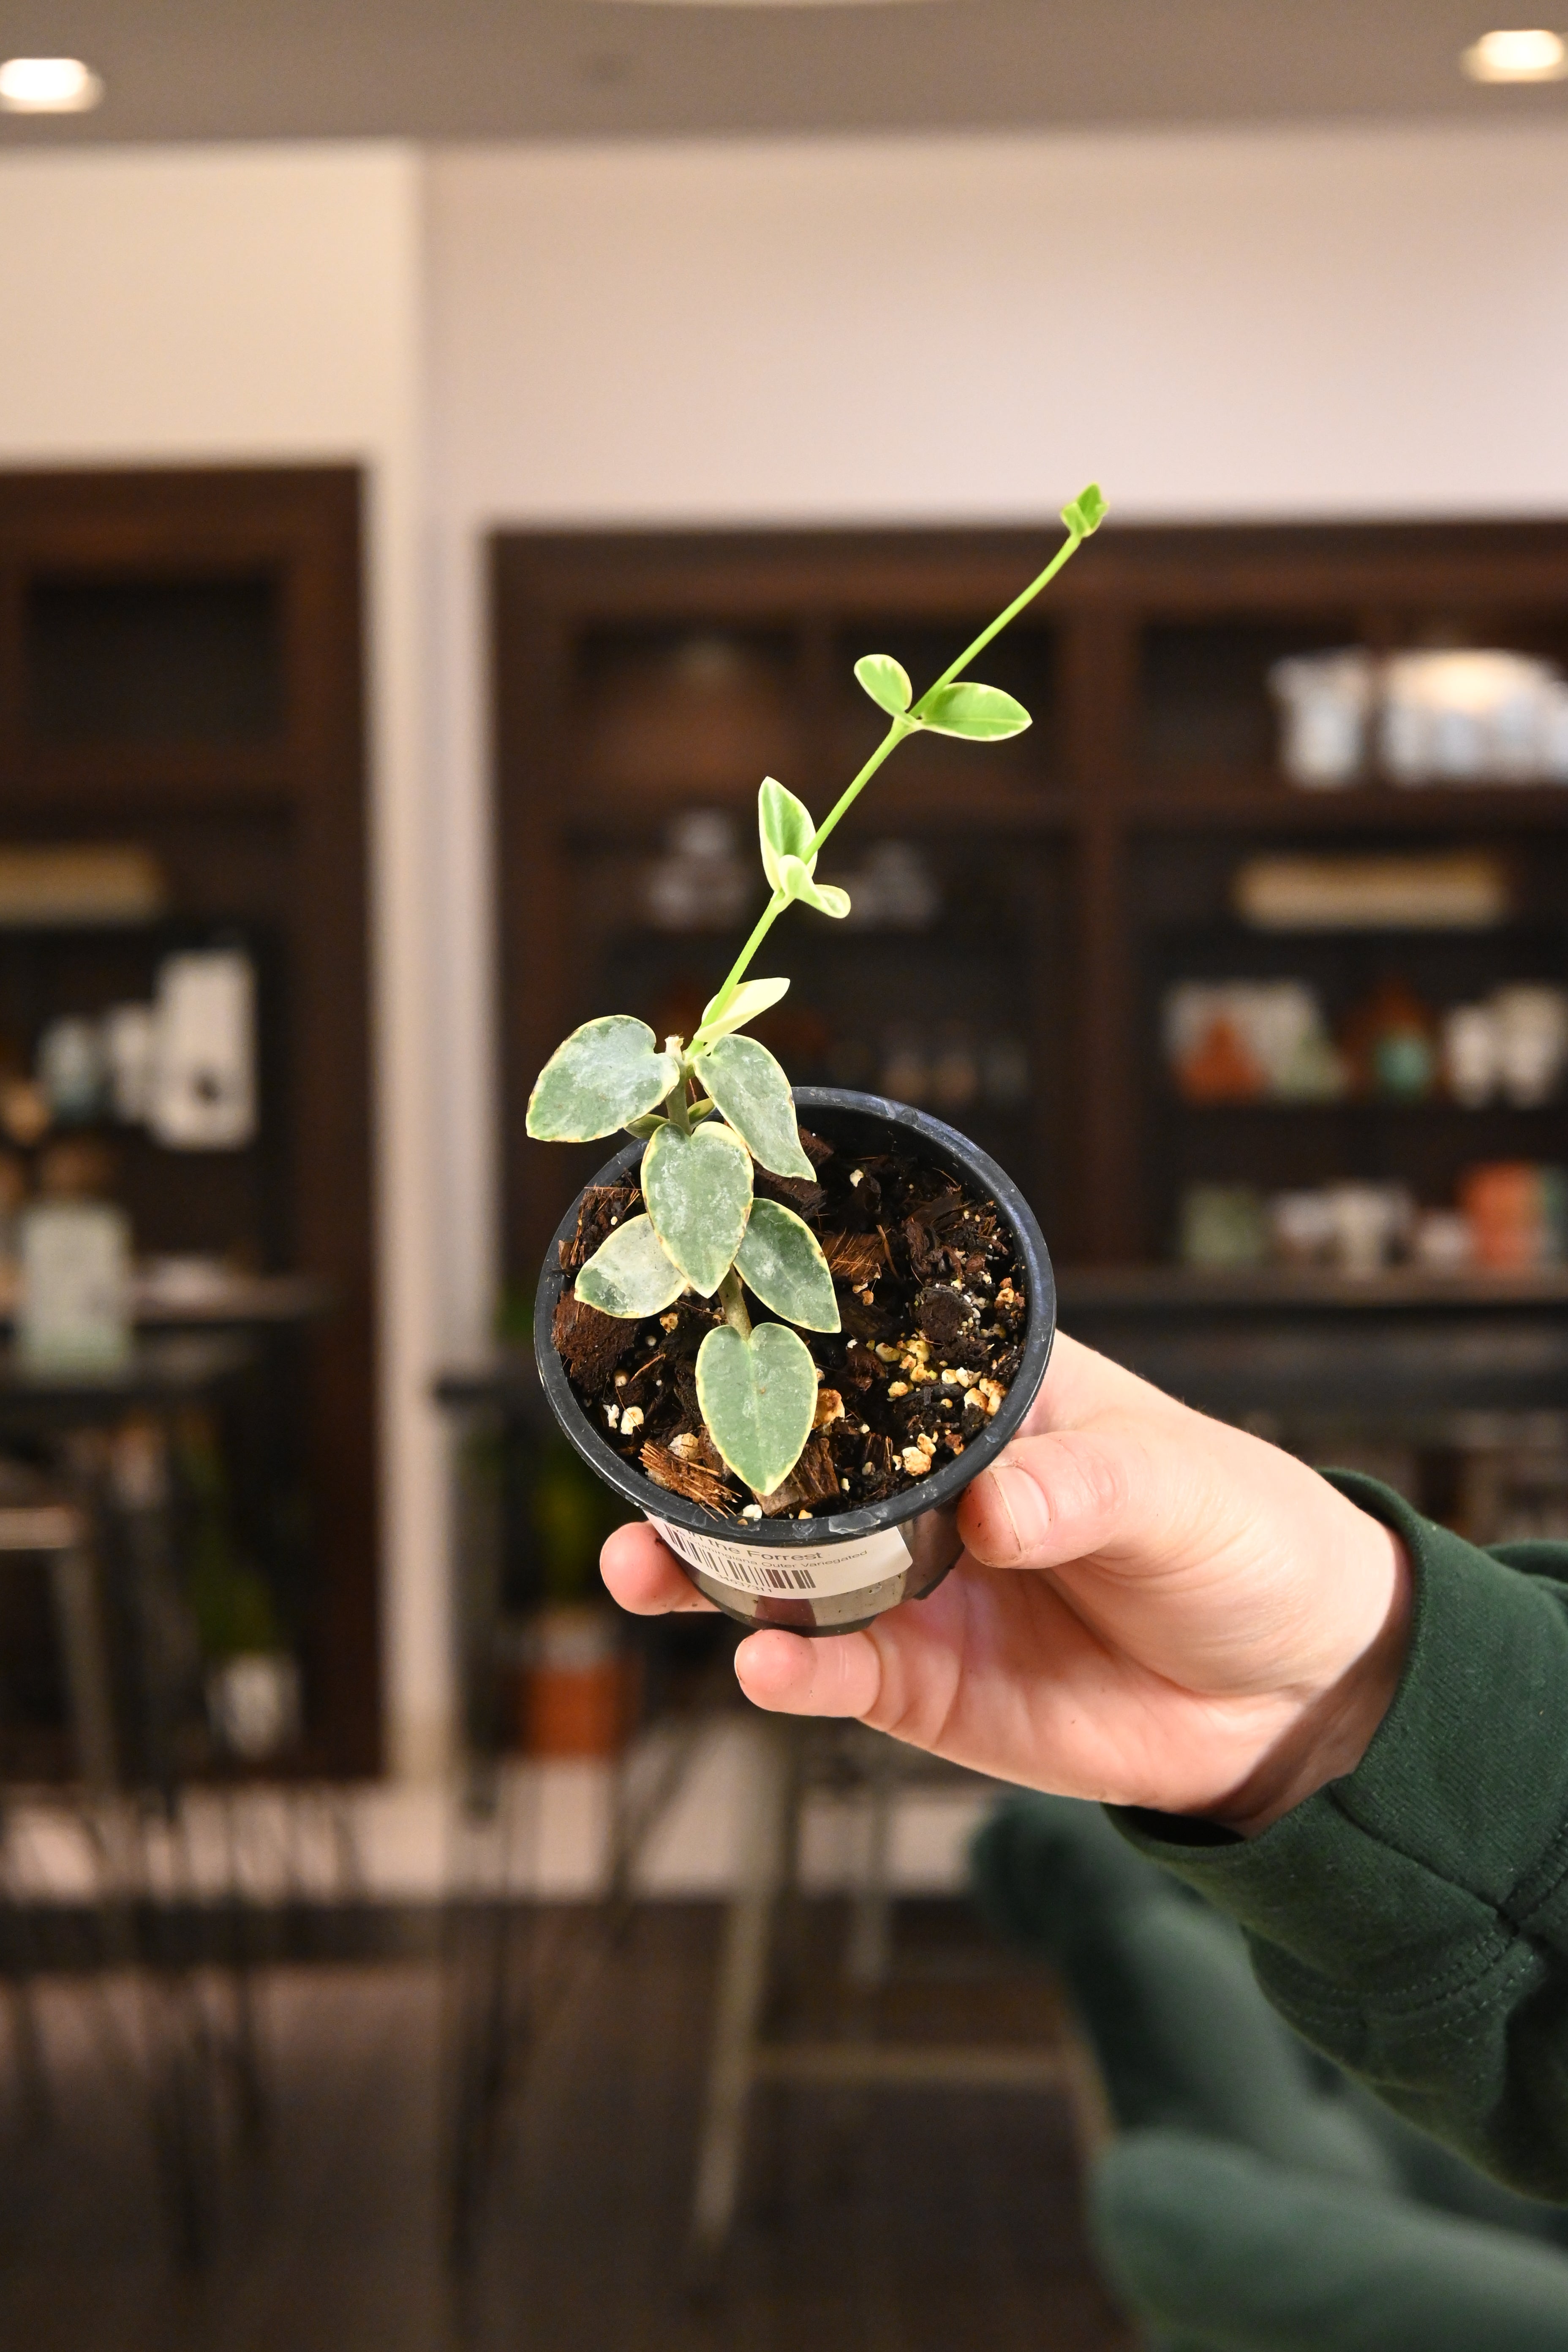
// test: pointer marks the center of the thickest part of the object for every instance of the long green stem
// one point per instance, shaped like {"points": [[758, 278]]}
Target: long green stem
{"points": [[900, 726]]}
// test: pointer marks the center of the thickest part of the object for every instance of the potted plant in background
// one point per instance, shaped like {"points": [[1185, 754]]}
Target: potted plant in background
{"points": [[792, 1346]]}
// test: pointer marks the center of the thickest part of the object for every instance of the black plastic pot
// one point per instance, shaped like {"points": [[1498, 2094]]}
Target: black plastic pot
{"points": [[825, 1575]]}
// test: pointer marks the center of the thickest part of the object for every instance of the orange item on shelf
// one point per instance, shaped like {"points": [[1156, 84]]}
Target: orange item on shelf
{"points": [[1505, 1203], [578, 1710], [1220, 1068]]}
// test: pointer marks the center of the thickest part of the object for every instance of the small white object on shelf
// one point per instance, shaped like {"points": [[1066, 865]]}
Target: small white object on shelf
{"points": [[204, 1083], [73, 1307], [1325, 701]]}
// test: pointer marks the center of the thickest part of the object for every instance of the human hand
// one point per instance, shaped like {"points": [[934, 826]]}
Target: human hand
{"points": [[1151, 1609]]}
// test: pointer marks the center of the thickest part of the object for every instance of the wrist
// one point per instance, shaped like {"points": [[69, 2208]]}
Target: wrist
{"points": [[1335, 1725]]}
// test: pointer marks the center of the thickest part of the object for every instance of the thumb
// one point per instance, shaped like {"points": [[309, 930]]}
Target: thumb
{"points": [[1058, 1497]]}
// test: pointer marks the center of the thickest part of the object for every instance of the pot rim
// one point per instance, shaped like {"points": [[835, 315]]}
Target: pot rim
{"points": [[634, 1486]]}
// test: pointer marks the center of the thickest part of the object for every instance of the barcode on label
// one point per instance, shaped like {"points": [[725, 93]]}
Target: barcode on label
{"points": [[736, 1567]]}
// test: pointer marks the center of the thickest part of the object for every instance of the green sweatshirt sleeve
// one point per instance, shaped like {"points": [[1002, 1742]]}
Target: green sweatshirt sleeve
{"points": [[1411, 1919]]}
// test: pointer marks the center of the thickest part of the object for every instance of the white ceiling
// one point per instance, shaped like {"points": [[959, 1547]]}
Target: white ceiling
{"points": [[443, 70]]}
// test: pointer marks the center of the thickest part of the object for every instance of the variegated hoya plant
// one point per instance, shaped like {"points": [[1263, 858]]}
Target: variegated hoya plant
{"points": [[709, 1106]]}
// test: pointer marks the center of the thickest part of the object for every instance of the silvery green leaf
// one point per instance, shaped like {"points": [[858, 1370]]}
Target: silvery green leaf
{"points": [[781, 1260], [1087, 511], [698, 1189], [649, 1124], [752, 998], [982, 714], [629, 1273], [886, 681], [785, 827], [796, 882], [759, 1399], [752, 1092], [607, 1072]]}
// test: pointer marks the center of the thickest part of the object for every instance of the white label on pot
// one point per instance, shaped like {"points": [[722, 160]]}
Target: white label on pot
{"points": [[817, 1569]]}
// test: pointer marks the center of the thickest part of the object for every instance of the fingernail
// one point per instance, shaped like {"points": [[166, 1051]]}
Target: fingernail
{"points": [[1016, 1497]]}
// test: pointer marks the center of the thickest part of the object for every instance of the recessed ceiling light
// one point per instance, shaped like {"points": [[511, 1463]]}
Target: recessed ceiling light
{"points": [[1516, 57], [48, 86]]}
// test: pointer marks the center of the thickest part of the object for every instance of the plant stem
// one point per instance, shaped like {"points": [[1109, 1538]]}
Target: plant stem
{"points": [[674, 1104], [901, 726], [733, 1304]]}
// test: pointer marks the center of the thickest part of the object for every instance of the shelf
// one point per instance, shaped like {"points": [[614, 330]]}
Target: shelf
{"points": [[1182, 1290], [1270, 1106], [1269, 803]]}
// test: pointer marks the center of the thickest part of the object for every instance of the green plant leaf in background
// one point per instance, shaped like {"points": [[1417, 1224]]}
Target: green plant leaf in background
{"points": [[886, 681], [750, 999], [1087, 511], [759, 1399], [752, 1092], [698, 1189], [607, 1072], [981, 714], [629, 1273], [781, 1260], [785, 827]]}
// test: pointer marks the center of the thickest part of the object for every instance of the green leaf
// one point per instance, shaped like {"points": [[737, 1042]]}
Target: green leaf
{"points": [[752, 1092], [649, 1124], [759, 1399], [784, 826], [752, 998], [781, 1260], [607, 1073], [982, 714], [629, 1273], [797, 883], [698, 1189], [886, 681], [1087, 512]]}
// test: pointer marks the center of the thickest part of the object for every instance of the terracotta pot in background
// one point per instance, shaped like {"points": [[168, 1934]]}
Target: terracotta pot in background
{"points": [[576, 1691]]}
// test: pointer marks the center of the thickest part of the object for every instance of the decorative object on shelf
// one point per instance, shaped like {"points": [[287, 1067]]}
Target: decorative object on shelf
{"points": [[1325, 701], [578, 1688], [130, 1051], [1443, 1240], [701, 882], [80, 883], [1245, 1041], [717, 1203], [893, 890], [1518, 1214], [72, 1070], [1442, 891], [1372, 1225], [74, 1297], [1389, 1043], [1515, 1043], [204, 1085], [1222, 1225], [1473, 717], [254, 1707]]}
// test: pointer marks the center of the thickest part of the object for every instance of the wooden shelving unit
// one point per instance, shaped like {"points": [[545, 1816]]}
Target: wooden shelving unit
{"points": [[1082, 866], [180, 670]]}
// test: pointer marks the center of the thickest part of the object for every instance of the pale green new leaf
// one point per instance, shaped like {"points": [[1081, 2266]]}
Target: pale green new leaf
{"points": [[982, 714], [886, 681], [649, 1124], [698, 1189], [781, 1260], [785, 827], [759, 1399], [752, 998], [1087, 511], [796, 882], [752, 1092], [607, 1072], [629, 1273]]}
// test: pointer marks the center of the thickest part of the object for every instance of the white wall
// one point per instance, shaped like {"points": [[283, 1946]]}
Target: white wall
{"points": [[253, 304]]}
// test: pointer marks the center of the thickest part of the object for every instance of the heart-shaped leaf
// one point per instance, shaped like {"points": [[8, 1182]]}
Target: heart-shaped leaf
{"points": [[781, 1260], [886, 681], [981, 714], [607, 1072], [698, 1189], [629, 1273], [752, 998], [1086, 513], [785, 827], [752, 1092], [759, 1399]]}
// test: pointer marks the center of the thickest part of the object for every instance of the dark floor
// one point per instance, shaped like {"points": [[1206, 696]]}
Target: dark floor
{"points": [[906, 2222]]}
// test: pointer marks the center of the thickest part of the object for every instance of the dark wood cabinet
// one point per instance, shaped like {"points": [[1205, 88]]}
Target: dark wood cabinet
{"points": [[1080, 868], [181, 668]]}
